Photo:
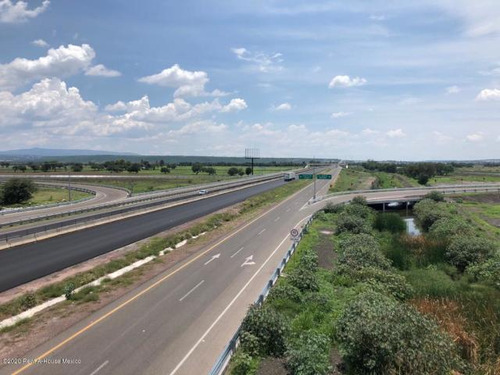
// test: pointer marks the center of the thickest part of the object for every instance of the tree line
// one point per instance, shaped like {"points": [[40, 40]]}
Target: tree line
{"points": [[422, 172]]}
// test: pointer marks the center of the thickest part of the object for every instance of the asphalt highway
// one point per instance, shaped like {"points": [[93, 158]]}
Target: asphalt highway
{"points": [[24, 263], [179, 322]]}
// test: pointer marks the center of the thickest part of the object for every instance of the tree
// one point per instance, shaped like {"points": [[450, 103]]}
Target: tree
{"points": [[165, 170], [197, 168], [78, 167], [248, 171], [423, 179], [436, 196], [241, 172], [134, 168], [466, 250], [210, 170], [233, 171], [34, 167], [17, 190]]}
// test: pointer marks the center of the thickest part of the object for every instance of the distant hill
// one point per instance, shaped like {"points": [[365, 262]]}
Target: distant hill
{"points": [[48, 152]]}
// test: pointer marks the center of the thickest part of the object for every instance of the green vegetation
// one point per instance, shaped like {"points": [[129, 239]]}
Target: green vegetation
{"points": [[353, 178], [17, 191], [391, 303]]}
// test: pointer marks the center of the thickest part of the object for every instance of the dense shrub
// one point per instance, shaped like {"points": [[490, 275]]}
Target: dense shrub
{"points": [[432, 282], [379, 335], [389, 222], [383, 281], [358, 240], [351, 223], [359, 210], [308, 260], [285, 291], [309, 355], [357, 257], [445, 228], [268, 327], [332, 208], [427, 212], [359, 199], [465, 250], [488, 271], [304, 280], [436, 196], [243, 364]]}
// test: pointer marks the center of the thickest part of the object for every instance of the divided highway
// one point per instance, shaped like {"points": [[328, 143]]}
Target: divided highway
{"points": [[179, 322], [24, 263]]}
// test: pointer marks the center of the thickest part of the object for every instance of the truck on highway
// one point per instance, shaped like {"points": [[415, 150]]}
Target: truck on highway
{"points": [[289, 176]]}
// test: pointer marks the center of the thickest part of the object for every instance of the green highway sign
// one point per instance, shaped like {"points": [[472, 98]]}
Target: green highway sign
{"points": [[324, 177], [305, 176]]}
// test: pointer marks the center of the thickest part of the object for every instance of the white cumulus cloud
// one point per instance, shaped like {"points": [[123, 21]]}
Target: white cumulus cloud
{"points": [[235, 105], [187, 83], [101, 71], [59, 62], [346, 81], [396, 133], [282, 107], [16, 12], [488, 95]]}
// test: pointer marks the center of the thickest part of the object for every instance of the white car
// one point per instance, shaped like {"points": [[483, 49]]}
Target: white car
{"points": [[203, 192]]}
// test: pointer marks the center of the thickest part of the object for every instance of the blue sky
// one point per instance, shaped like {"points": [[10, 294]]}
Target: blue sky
{"points": [[400, 80]]}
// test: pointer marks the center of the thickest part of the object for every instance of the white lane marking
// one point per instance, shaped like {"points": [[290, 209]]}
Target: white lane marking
{"points": [[216, 256], [229, 305], [275, 220], [192, 290], [99, 368], [248, 261], [262, 231], [232, 256]]}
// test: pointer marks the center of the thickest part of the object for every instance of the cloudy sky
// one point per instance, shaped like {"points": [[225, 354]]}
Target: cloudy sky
{"points": [[380, 79]]}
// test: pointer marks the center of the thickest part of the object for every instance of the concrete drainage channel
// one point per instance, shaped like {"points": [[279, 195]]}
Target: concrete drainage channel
{"points": [[223, 360], [111, 276]]}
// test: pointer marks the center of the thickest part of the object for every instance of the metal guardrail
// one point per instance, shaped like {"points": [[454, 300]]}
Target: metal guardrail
{"points": [[121, 208], [223, 360], [52, 205], [450, 189], [158, 198]]}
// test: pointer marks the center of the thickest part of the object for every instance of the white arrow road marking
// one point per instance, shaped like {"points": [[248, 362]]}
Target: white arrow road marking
{"points": [[262, 231], [248, 261], [275, 220], [232, 256], [216, 256], [99, 368], [192, 290]]}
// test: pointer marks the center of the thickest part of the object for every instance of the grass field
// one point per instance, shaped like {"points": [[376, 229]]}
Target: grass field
{"points": [[353, 179], [178, 171], [51, 195], [462, 178]]}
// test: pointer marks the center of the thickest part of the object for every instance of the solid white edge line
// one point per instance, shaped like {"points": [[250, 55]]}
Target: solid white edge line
{"points": [[229, 305], [192, 290]]}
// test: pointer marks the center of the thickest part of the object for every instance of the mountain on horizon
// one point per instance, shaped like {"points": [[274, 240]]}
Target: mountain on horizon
{"points": [[46, 152]]}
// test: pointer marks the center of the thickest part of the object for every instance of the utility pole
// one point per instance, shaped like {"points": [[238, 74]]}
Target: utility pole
{"points": [[314, 178], [69, 186]]}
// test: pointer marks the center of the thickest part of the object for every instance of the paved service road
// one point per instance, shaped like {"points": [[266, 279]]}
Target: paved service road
{"points": [[24, 263], [179, 322], [103, 195]]}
